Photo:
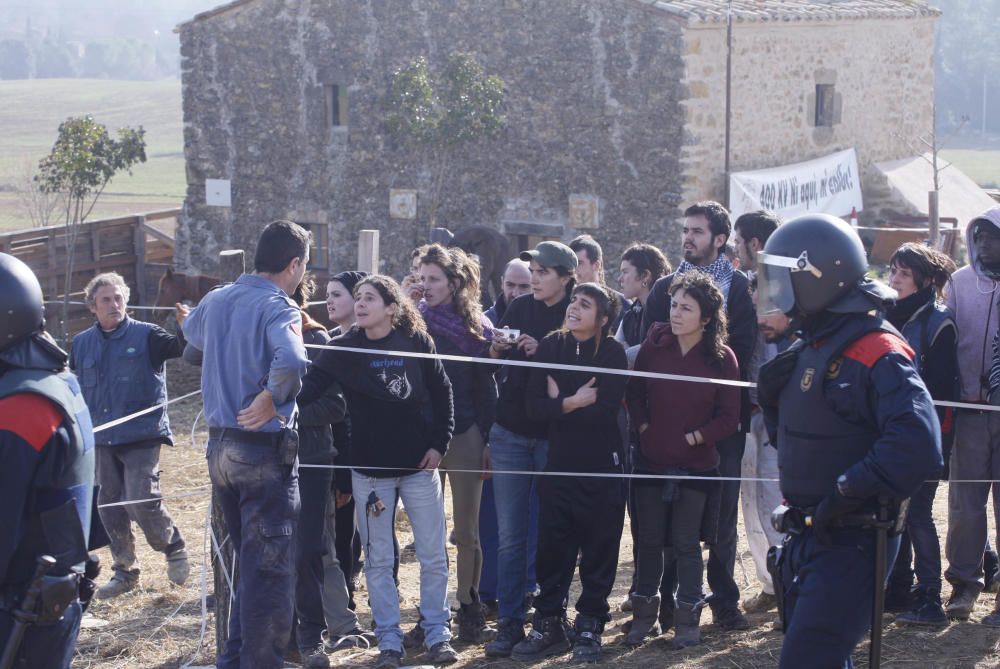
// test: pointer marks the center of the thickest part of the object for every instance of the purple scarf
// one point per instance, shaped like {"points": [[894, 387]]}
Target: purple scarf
{"points": [[444, 321]]}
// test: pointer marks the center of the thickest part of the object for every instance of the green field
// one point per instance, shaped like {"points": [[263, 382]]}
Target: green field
{"points": [[30, 114], [980, 165]]}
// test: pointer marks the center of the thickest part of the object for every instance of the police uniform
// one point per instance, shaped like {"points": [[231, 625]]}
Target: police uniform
{"points": [[46, 476], [855, 428]]}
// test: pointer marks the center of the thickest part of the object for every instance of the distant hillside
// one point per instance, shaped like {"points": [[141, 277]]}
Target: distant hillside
{"points": [[32, 111]]}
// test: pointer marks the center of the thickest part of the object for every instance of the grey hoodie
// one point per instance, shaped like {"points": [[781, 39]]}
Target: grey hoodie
{"points": [[972, 297]]}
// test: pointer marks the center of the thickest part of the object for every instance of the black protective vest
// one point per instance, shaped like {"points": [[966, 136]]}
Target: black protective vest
{"points": [[815, 445], [60, 511]]}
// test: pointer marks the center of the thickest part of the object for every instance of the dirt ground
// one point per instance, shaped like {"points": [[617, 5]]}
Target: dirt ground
{"points": [[160, 625]]}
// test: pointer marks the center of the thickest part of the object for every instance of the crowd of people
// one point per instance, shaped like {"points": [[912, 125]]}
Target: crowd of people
{"points": [[739, 377]]}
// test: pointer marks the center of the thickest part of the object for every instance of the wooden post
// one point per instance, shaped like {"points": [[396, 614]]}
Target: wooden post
{"points": [[231, 265], [230, 268], [139, 243], [933, 218], [368, 251]]}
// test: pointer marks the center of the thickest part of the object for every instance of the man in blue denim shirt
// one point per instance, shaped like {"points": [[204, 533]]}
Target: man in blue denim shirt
{"points": [[249, 336]]}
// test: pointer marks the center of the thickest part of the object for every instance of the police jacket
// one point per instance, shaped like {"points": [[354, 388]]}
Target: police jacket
{"points": [[854, 405], [46, 474], [120, 374]]}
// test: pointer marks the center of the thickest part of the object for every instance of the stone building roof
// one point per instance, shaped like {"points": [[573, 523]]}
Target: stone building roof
{"points": [[714, 11]]}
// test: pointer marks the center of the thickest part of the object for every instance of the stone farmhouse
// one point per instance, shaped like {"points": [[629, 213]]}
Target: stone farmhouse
{"points": [[616, 113]]}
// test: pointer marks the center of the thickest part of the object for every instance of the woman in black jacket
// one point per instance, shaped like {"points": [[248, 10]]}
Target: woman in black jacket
{"points": [[918, 273], [578, 515], [401, 422], [451, 309], [517, 441]]}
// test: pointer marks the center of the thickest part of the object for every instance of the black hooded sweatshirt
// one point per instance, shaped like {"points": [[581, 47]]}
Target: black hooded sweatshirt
{"points": [[400, 407]]}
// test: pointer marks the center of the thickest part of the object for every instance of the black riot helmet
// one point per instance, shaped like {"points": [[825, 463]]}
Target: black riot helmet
{"points": [[21, 311], [809, 264]]}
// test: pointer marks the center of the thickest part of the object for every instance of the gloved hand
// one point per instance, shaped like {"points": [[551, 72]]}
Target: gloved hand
{"points": [[830, 510], [774, 375]]}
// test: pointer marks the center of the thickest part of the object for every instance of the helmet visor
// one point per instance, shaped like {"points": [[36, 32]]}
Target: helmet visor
{"points": [[774, 286]]}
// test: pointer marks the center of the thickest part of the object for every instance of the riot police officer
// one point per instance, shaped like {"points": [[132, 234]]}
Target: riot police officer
{"points": [[855, 428], [46, 484]]}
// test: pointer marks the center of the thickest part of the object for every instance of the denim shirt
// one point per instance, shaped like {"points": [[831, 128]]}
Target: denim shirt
{"points": [[250, 336]]}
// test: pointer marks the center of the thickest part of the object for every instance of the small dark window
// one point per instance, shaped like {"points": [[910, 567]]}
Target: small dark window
{"points": [[824, 105], [336, 105]]}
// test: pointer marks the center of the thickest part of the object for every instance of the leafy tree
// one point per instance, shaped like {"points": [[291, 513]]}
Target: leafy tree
{"points": [[437, 117], [84, 158]]}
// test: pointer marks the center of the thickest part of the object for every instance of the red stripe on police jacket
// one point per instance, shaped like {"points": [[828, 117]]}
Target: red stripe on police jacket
{"points": [[31, 417], [869, 349]]}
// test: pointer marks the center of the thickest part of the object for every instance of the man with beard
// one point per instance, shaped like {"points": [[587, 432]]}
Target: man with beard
{"points": [[706, 230]]}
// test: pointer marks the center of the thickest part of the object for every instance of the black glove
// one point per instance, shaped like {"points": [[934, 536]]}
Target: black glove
{"points": [[830, 510], [774, 374], [88, 584]]}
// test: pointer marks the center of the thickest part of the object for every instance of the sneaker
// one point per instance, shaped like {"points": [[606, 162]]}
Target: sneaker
{"points": [[389, 659], [442, 653], [547, 638], [760, 603], [356, 638], [314, 658], [178, 568], [119, 584], [962, 601], [509, 633], [927, 613], [730, 618], [415, 637]]}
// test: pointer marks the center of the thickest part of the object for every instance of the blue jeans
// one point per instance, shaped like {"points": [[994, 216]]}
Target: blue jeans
{"points": [[489, 539], [828, 595], [259, 498], [422, 497], [514, 452]]}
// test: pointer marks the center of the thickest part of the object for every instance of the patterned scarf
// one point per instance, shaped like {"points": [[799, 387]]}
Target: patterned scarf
{"points": [[721, 271], [444, 321]]}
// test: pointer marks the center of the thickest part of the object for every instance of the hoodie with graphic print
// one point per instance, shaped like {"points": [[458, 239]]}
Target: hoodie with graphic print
{"points": [[400, 407], [972, 296]]}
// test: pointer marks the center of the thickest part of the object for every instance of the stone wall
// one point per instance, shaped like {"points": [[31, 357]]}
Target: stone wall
{"points": [[883, 79], [593, 108]]}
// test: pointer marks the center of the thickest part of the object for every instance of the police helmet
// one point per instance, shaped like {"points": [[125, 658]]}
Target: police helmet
{"points": [[809, 264], [21, 311]]}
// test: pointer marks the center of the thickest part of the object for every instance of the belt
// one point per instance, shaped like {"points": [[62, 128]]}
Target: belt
{"points": [[245, 436]]}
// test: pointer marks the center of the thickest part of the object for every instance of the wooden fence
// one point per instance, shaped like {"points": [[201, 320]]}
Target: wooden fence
{"points": [[139, 247]]}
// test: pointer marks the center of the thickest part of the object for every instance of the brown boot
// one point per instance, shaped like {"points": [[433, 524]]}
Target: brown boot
{"points": [[644, 626]]}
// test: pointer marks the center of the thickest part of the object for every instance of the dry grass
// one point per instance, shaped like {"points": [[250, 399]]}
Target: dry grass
{"points": [[158, 626]]}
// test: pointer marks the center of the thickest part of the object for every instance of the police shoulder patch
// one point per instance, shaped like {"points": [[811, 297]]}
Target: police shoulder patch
{"points": [[873, 346], [31, 417]]}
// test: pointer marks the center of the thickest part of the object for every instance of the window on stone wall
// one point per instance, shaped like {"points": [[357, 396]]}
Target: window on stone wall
{"points": [[319, 251], [336, 105], [824, 106]]}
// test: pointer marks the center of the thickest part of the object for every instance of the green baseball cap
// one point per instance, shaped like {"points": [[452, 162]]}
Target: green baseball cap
{"points": [[552, 254]]}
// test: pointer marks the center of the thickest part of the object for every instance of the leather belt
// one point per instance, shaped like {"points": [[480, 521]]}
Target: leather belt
{"points": [[245, 436]]}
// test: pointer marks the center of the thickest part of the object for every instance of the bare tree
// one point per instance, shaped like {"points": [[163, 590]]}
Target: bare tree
{"points": [[38, 205]]}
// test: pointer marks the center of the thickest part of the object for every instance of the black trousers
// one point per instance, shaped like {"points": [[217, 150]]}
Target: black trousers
{"points": [[578, 517], [314, 488]]}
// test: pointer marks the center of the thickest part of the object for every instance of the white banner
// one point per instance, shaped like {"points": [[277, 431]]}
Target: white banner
{"points": [[828, 185]]}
